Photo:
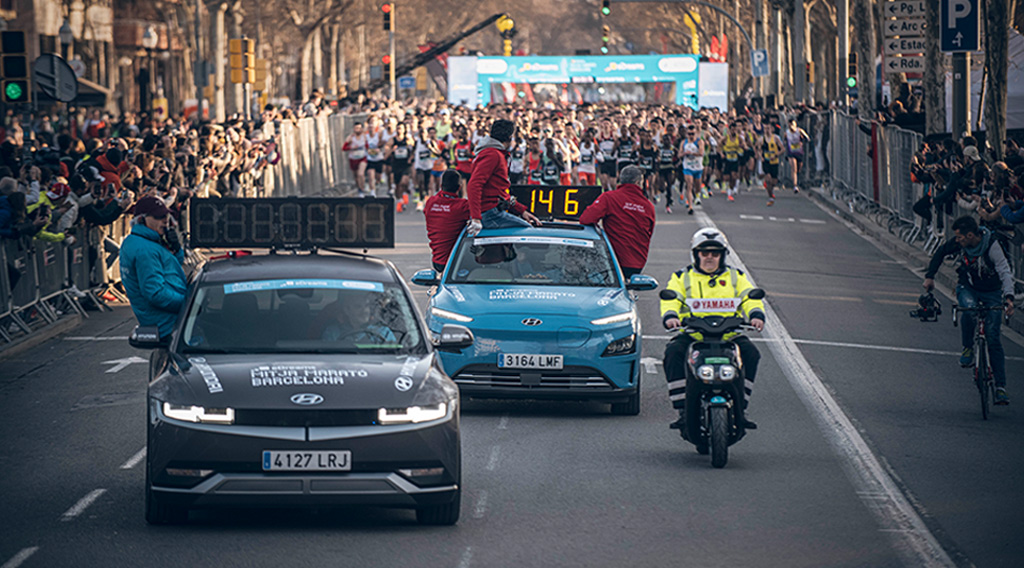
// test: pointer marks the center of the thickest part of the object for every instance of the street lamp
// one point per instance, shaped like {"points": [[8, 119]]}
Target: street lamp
{"points": [[507, 26], [149, 38], [149, 41], [67, 38]]}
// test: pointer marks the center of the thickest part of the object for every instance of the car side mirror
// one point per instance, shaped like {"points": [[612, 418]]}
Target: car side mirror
{"points": [[146, 337], [756, 294], [426, 277], [453, 338], [669, 295], [641, 282]]}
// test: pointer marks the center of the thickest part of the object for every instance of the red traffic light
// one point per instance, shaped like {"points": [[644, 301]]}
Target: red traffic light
{"points": [[386, 8], [386, 60]]}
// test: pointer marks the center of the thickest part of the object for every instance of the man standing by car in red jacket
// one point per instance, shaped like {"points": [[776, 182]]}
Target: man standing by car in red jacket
{"points": [[490, 204], [628, 219]]}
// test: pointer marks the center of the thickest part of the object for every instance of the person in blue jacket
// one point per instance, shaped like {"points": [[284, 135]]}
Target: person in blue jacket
{"points": [[151, 268]]}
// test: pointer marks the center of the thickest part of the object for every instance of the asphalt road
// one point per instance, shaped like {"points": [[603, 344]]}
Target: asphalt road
{"points": [[566, 484]]}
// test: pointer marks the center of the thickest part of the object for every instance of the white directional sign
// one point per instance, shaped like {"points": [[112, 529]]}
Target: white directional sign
{"points": [[910, 27], [900, 46], [904, 9], [907, 64]]}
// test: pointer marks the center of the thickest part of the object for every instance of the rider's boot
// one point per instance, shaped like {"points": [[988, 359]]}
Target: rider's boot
{"points": [[680, 423]]}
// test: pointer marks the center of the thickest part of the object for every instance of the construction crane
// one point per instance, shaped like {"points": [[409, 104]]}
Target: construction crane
{"points": [[423, 58]]}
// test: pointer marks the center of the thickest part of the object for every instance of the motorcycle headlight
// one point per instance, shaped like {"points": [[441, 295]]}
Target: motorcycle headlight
{"points": [[727, 372], [622, 346], [198, 414], [412, 414], [438, 312], [706, 373]]}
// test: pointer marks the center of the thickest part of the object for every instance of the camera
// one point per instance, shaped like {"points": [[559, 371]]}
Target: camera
{"points": [[930, 309]]}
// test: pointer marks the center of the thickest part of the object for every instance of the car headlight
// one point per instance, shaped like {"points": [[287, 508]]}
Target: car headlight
{"points": [[727, 372], [187, 413], [412, 414], [617, 318], [621, 346], [706, 373], [450, 315]]}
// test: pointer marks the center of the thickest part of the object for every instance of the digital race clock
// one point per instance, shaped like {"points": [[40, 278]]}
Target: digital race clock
{"points": [[565, 202]]}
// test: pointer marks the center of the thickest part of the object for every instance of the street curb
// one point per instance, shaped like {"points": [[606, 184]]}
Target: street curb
{"points": [[63, 325], [917, 258]]}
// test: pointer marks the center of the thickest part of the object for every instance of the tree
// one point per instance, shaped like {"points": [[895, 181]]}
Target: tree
{"points": [[862, 18], [934, 81], [997, 37]]}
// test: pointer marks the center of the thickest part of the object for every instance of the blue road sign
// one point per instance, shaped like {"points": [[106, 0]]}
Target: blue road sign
{"points": [[759, 63], [407, 82], [959, 25]]}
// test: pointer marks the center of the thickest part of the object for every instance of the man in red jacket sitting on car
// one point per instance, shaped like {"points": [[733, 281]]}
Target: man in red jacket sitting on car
{"points": [[628, 220], [490, 205]]}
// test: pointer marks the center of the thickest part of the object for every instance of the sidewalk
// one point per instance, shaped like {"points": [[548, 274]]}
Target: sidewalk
{"points": [[916, 258]]}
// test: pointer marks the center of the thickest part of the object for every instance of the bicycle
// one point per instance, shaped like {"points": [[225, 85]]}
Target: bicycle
{"points": [[983, 377]]}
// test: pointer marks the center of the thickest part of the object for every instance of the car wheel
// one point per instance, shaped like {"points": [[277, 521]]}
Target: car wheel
{"points": [[632, 405], [446, 514]]}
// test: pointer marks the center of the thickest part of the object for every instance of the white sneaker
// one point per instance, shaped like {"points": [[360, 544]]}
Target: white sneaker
{"points": [[76, 292]]}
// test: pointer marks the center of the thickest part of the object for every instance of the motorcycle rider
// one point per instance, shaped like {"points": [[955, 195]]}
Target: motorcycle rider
{"points": [[708, 277]]}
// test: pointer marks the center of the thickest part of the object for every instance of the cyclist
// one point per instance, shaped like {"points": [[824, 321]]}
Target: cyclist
{"points": [[708, 277], [984, 280]]}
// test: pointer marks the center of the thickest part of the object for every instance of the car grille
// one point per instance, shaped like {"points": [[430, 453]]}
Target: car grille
{"points": [[303, 418], [569, 378]]}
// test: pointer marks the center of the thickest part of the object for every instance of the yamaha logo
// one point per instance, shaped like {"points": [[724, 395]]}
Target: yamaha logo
{"points": [[532, 321], [307, 398]]}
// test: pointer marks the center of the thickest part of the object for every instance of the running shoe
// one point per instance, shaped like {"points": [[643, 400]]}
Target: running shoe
{"points": [[419, 206], [668, 209], [796, 189], [731, 198], [689, 211], [771, 201], [967, 357], [1002, 399]]}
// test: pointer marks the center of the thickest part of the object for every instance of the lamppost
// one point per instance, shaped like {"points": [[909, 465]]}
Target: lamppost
{"points": [[67, 40], [149, 41], [507, 26]]}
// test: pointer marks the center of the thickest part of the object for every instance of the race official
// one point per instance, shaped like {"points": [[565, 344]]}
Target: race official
{"points": [[490, 205], [446, 214], [628, 219], [709, 277], [151, 268]]}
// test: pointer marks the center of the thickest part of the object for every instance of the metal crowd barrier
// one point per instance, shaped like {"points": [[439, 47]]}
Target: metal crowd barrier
{"points": [[878, 184], [311, 157]]}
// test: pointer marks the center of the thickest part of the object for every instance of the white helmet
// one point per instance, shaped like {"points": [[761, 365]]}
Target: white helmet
{"points": [[708, 238]]}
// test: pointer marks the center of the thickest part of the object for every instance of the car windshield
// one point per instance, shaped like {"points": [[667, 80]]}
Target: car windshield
{"points": [[536, 260], [302, 316]]}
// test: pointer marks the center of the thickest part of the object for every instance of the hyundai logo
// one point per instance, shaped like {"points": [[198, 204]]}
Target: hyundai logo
{"points": [[307, 398], [532, 321], [403, 383]]}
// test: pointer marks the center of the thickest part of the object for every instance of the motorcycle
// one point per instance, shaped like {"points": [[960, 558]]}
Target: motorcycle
{"points": [[714, 376]]}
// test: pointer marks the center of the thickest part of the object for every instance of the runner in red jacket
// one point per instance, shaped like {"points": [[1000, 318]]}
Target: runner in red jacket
{"points": [[489, 205], [446, 214], [628, 220]]}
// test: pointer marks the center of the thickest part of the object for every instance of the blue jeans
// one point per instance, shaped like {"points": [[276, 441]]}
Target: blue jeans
{"points": [[495, 218], [969, 298]]}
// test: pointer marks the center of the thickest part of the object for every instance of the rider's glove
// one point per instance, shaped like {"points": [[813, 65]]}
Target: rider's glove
{"points": [[473, 227]]}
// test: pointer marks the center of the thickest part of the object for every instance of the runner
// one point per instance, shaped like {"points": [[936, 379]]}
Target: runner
{"points": [[692, 154], [795, 140], [772, 153], [590, 155], [666, 164], [355, 146]]}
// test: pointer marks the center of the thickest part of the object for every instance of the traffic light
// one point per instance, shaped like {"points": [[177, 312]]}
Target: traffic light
{"points": [[14, 69], [851, 69], [606, 36], [606, 7], [242, 53], [810, 73], [386, 66], [387, 10]]}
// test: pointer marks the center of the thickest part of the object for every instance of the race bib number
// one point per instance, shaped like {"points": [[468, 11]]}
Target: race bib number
{"points": [[425, 155], [374, 152], [713, 305], [356, 154], [587, 159], [401, 153]]}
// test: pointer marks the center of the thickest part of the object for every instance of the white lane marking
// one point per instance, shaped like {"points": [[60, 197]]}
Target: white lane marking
{"points": [[503, 423], [93, 338], [650, 364], [467, 557], [782, 219], [481, 505], [19, 558], [120, 364], [812, 221], [134, 460], [786, 220], [843, 344], [492, 462], [914, 541], [82, 504], [752, 217]]}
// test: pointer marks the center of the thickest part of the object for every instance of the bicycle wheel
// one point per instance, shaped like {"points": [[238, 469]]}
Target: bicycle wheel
{"points": [[981, 377]]}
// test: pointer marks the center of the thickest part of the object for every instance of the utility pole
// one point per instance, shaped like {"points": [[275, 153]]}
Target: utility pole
{"points": [[199, 68], [394, 62], [843, 57], [759, 39], [797, 52]]}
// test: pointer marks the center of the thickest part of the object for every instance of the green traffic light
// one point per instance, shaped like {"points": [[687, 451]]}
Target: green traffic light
{"points": [[13, 91], [606, 10], [851, 82], [604, 49]]}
